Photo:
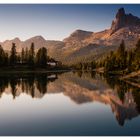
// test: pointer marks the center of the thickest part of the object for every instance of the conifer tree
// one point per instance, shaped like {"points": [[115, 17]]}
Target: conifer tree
{"points": [[31, 55], [13, 55], [41, 57], [23, 55]]}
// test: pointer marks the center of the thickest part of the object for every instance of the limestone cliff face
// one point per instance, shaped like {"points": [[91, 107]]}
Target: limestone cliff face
{"points": [[124, 20], [119, 22]]}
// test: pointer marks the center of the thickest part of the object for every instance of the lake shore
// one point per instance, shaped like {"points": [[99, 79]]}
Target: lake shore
{"points": [[27, 70]]}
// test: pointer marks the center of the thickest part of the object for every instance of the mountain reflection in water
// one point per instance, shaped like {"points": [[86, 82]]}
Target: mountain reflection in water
{"points": [[80, 87]]}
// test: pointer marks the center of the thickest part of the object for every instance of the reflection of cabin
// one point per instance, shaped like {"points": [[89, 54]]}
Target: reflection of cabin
{"points": [[52, 77]]}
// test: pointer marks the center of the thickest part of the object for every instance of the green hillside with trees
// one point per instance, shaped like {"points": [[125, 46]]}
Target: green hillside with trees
{"points": [[120, 61]]}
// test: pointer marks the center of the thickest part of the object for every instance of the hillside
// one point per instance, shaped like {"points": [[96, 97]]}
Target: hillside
{"points": [[86, 45]]}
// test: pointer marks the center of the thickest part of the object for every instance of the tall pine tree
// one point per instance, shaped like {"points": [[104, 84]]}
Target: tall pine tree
{"points": [[13, 55]]}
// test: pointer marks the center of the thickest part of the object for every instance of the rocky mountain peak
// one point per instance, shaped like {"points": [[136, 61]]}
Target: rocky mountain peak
{"points": [[80, 31], [16, 39], [38, 37], [120, 13], [124, 20], [78, 35]]}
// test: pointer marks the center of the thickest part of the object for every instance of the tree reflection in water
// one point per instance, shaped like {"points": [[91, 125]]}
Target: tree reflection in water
{"points": [[126, 103], [81, 87], [27, 83]]}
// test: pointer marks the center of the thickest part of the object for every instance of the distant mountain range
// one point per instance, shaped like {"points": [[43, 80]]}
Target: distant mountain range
{"points": [[85, 45]]}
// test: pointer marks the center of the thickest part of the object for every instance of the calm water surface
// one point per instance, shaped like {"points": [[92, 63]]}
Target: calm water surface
{"points": [[68, 104]]}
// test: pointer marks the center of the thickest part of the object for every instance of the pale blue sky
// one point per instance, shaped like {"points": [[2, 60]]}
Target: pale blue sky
{"points": [[56, 21]]}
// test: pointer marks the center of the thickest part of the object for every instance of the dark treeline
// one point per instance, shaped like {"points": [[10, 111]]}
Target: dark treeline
{"points": [[120, 60], [123, 60], [28, 83], [27, 57]]}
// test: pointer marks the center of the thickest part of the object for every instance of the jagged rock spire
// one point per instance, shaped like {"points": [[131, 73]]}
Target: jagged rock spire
{"points": [[119, 21], [120, 13], [122, 20]]}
